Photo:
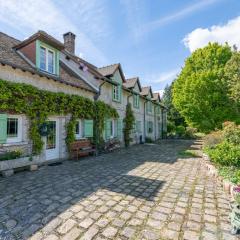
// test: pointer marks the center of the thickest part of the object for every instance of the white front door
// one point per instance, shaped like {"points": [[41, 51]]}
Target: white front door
{"points": [[52, 141]]}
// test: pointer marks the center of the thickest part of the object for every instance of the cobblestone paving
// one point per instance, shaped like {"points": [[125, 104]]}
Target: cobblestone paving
{"points": [[144, 192]]}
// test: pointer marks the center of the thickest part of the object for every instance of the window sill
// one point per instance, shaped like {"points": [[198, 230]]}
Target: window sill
{"points": [[81, 138], [13, 144], [49, 73], [117, 101]]}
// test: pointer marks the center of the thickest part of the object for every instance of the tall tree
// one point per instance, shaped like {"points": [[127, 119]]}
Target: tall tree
{"points": [[173, 115], [200, 93], [232, 73]]}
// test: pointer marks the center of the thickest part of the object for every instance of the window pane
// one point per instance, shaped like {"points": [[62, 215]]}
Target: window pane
{"points": [[12, 127], [51, 138], [77, 128], [42, 58], [50, 61]]}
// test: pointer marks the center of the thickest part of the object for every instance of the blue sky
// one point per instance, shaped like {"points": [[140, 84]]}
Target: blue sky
{"points": [[150, 38]]}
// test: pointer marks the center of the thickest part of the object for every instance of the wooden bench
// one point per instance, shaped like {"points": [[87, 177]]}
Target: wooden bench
{"points": [[81, 148]]}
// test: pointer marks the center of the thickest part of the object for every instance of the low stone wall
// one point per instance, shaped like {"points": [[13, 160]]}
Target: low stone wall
{"points": [[25, 148], [212, 171]]}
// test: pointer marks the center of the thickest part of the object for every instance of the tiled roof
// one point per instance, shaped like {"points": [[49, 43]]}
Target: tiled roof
{"points": [[93, 69], [108, 70], [155, 96], [130, 83], [42, 36], [145, 91], [9, 56]]}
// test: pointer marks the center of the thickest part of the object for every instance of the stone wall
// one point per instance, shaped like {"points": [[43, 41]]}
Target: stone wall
{"points": [[17, 75]]}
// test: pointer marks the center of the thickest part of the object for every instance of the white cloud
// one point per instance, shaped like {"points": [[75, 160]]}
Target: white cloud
{"points": [[150, 26], [135, 12], [92, 16], [200, 37], [29, 16], [165, 76]]}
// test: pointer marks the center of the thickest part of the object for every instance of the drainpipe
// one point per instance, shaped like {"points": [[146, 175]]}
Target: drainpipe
{"points": [[144, 120], [96, 97], [155, 122], [162, 121]]}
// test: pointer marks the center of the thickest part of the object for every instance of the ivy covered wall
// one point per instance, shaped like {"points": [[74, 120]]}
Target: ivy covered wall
{"points": [[38, 105]]}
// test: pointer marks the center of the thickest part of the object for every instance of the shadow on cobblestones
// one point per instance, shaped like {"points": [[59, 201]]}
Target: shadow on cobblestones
{"points": [[30, 200]]}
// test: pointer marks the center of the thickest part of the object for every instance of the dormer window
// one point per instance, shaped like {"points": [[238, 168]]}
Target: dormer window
{"points": [[47, 58]]}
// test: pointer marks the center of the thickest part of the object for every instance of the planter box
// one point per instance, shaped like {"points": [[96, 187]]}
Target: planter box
{"points": [[19, 162]]}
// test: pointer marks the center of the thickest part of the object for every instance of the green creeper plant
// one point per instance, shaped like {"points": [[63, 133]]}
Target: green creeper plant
{"points": [[129, 121], [38, 104]]}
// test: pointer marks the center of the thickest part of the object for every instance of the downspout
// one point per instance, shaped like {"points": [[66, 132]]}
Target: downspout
{"points": [[162, 121], [155, 127], [96, 97], [144, 121]]}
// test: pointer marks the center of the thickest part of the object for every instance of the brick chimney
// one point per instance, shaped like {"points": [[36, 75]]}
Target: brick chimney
{"points": [[69, 42]]}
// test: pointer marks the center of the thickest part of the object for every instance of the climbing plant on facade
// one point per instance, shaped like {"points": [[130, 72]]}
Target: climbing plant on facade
{"points": [[38, 104], [129, 121]]}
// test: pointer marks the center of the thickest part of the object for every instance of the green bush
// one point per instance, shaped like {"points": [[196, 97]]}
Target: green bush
{"points": [[225, 154], [148, 140], [171, 127], [10, 155], [212, 139], [180, 130], [231, 132], [230, 173]]}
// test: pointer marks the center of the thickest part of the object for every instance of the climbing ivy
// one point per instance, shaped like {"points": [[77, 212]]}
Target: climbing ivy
{"points": [[128, 124], [37, 105]]}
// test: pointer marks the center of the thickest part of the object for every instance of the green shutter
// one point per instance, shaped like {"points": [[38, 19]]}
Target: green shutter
{"points": [[107, 129], [120, 93], [3, 128], [57, 62], [113, 93], [37, 54], [119, 129], [88, 128]]}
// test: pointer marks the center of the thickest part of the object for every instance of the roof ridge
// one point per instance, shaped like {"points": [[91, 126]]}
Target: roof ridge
{"points": [[131, 78], [109, 65]]}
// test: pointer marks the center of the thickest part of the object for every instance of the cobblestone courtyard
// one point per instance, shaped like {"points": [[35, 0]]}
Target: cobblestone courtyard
{"points": [[144, 192]]}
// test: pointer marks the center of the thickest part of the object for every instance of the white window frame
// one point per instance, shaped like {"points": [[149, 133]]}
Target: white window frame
{"points": [[46, 59], [113, 128], [80, 135], [149, 107], [19, 133], [116, 93], [136, 101]]}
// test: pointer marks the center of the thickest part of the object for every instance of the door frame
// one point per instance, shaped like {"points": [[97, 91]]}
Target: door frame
{"points": [[54, 153]]}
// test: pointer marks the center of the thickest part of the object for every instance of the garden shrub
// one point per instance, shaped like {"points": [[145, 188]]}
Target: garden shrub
{"points": [[231, 132], [212, 139], [231, 173], [180, 130], [225, 154], [10, 155], [171, 128], [148, 140], [190, 132]]}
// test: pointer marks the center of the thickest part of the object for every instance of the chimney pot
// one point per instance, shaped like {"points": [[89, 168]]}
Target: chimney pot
{"points": [[69, 42]]}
